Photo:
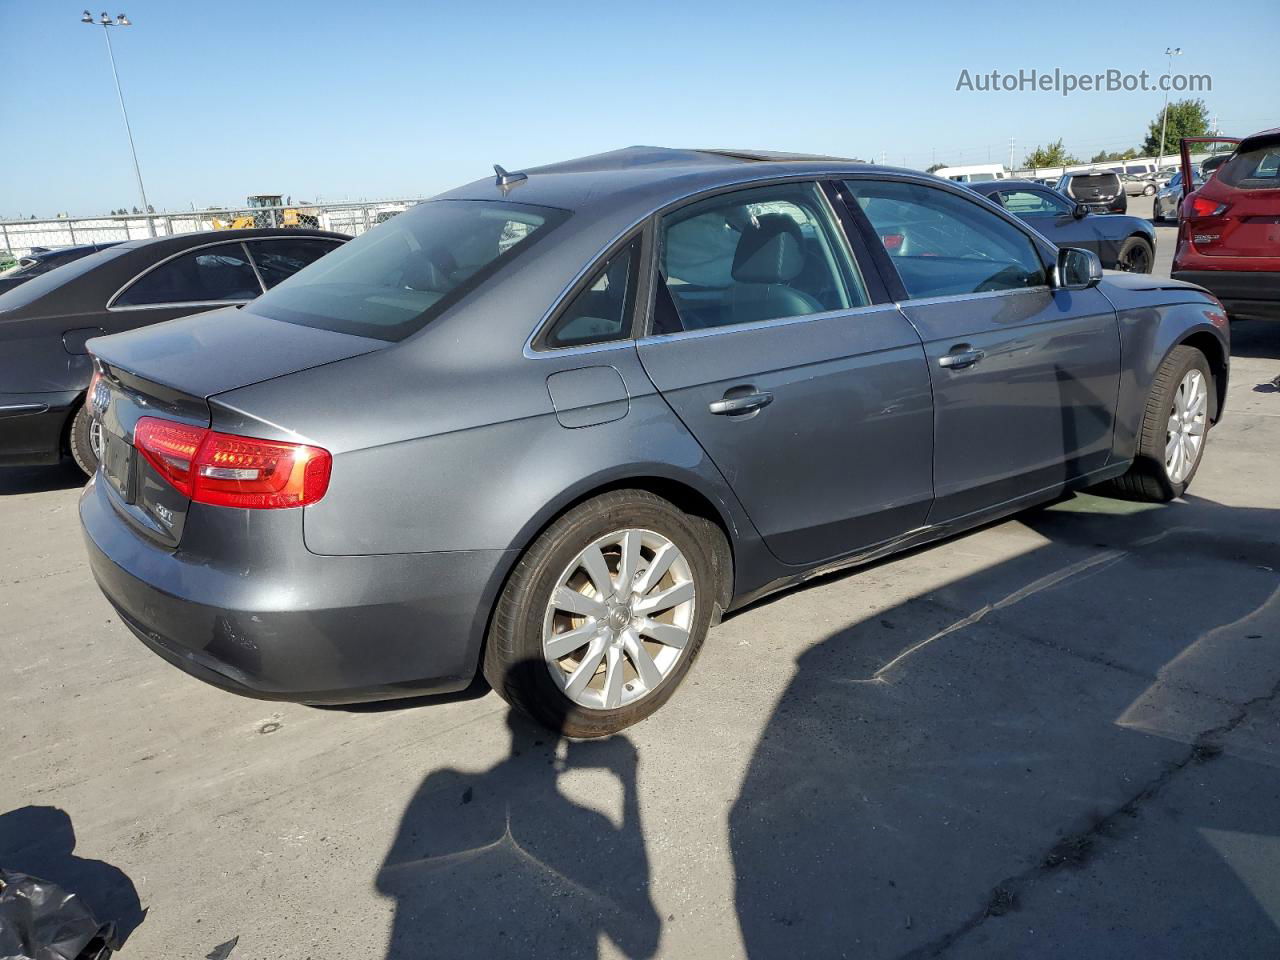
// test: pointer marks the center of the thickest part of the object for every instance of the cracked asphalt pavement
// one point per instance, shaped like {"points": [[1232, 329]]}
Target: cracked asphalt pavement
{"points": [[1053, 737]]}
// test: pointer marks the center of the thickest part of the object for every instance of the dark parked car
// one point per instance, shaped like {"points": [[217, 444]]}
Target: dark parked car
{"points": [[1169, 198], [552, 425], [1230, 237], [1100, 191], [1121, 242], [45, 323], [41, 260]]}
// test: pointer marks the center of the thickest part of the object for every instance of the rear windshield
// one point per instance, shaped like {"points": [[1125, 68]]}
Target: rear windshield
{"points": [[395, 279], [1253, 170], [1095, 184], [43, 283]]}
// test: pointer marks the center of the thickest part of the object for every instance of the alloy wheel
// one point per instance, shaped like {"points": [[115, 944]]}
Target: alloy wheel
{"points": [[619, 619], [1187, 421], [95, 439], [1137, 260]]}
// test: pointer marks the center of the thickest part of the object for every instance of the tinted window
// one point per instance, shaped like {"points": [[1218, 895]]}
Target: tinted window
{"points": [[1093, 186], [602, 311], [280, 259], [754, 255], [392, 281], [1034, 203], [944, 244], [1255, 169], [209, 274]]}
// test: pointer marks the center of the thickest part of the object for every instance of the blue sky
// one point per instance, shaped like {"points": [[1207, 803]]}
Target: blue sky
{"points": [[387, 99]]}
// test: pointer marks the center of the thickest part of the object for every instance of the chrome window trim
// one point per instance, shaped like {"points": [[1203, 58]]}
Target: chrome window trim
{"points": [[983, 295], [692, 196], [181, 303]]}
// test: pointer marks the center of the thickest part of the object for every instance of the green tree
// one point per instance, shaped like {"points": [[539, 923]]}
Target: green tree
{"points": [[934, 168], [1106, 156], [1054, 155], [1187, 118]]}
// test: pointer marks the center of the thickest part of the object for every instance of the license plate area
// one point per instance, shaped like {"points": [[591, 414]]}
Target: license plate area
{"points": [[118, 464]]}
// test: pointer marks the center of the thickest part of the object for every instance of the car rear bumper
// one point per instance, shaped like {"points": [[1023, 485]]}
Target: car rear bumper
{"points": [[1247, 294], [296, 626], [31, 426]]}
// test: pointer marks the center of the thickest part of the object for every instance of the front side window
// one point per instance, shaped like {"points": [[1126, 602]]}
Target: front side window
{"points": [[207, 275], [390, 282], [1034, 203], [943, 244], [280, 259], [601, 312], [754, 255]]}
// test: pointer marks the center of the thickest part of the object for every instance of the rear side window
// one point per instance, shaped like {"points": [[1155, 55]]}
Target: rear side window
{"points": [[602, 311], [206, 275], [278, 260], [390, 282], [942, 244], [1253, 170], [1034, 203], [754, 255]]}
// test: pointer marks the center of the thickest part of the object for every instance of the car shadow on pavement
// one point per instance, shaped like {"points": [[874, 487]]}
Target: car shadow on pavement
{"points": [[39, 841], [992, 745], [61, 476], [500, 862]]}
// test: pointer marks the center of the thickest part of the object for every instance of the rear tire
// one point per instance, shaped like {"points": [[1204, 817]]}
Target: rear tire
{"points": [[1135, 256], [596, 682], [80, 440], [1153, 477]]}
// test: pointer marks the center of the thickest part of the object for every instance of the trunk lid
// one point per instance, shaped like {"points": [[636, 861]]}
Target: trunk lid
{"points": [[170, 371], [221, 350]]}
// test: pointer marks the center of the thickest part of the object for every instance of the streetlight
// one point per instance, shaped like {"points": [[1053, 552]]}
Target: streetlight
{"points": [[122, 21], [1169, 52]]}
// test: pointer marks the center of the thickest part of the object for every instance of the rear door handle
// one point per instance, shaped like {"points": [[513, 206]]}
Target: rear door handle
{"points": [[732, 405], [959, 359]]}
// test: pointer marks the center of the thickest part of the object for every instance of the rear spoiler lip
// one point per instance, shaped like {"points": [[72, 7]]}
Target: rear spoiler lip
{"points": [[1264, 138]]}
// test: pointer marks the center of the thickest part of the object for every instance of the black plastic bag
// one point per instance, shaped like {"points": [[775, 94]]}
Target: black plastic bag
{"points": [[41, 921]]}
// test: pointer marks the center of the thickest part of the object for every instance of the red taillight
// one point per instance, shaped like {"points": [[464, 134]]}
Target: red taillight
{"points": [[169, 447], [892, 241], [231, 471], [1204, 207]]}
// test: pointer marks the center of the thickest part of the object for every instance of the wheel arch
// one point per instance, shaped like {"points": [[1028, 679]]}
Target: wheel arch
{"points": [[1211, 346], [686, 493]]}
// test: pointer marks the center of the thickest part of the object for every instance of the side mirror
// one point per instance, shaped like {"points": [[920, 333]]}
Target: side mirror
{"points": [[1080, 211], [1077, 269]]}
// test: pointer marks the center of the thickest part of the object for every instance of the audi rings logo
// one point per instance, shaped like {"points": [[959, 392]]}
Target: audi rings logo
{"points": [[101, 398]]}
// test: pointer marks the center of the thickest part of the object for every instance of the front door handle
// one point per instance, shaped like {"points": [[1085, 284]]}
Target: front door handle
{"points": [[745, 404], [958, 359]]}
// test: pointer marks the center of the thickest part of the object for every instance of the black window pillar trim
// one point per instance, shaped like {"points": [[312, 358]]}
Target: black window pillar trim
{"points": [[866, 245]]}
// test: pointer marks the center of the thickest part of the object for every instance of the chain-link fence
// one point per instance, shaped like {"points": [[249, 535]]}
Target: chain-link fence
{"points": [[20, 237]]}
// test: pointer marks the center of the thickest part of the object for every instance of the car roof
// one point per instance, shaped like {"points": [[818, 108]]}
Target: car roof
{"points": [[991, 186], [652, 176]]}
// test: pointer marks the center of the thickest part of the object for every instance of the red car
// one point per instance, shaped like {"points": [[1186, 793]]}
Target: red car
{"points": [[1229, 235]]}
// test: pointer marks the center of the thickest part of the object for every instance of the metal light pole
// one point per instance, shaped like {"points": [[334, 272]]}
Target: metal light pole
{"points": [[122, 21], [1169, 52]]}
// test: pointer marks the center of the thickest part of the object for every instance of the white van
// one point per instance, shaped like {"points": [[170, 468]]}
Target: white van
{"points": [[973, 174]]}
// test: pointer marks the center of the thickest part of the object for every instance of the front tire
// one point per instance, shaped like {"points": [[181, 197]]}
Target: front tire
{"points": [[85, 441], [1174, 430], [1149, 190], [604, 614]]}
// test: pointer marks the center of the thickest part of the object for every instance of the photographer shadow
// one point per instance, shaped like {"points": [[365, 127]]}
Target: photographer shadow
{"points": [[501, 863]]}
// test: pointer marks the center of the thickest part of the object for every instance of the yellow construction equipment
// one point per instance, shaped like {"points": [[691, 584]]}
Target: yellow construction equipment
{"points": [[269, 210]]}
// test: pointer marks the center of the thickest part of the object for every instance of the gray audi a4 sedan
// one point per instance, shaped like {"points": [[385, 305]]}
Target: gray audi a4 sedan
{"points": [[553, 424]]}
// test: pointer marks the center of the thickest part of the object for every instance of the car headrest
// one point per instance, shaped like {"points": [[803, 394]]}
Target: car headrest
{"points": [[771, 250]]}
